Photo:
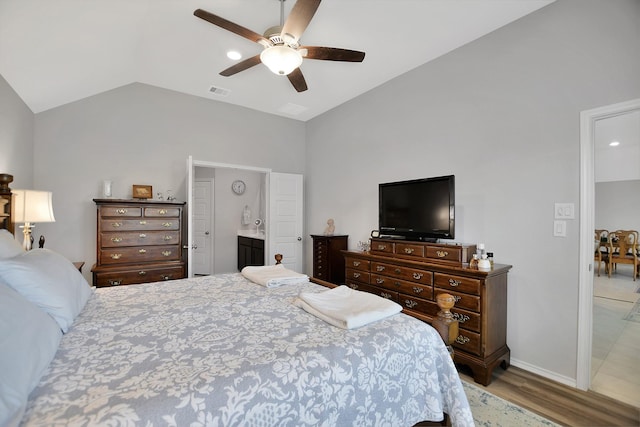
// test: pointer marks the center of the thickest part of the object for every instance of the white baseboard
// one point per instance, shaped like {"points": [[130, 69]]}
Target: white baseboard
{"points": [[571, 382]]}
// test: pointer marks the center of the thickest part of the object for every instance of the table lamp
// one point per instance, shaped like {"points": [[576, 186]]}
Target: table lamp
{"points": [[31, 206]]}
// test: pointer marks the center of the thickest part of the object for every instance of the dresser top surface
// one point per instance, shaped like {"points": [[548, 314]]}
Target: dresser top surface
{"points": [[136, 202]]}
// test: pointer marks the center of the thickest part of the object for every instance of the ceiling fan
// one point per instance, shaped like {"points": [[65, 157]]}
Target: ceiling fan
{"points": [[282, 52]]}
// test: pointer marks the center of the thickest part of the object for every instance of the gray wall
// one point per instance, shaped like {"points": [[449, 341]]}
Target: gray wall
{"points": [[618, 205], [139, 134], [16, 137], [502, 114]]}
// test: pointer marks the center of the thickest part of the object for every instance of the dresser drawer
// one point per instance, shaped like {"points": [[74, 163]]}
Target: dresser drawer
{"points": [[444, 253], [405, 273], [121, 211], [466, 301], [357, 275], [114, 224], [162, 212], [468, 341], [131, 255], [403, 286], [142, 238], [457, 283], [357, 263], [415, 304], [384, 247], [138, 275], [407, 249]]}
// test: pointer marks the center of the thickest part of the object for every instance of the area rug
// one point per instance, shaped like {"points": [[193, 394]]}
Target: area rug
{"points": [[492, 411], [634, 314]]}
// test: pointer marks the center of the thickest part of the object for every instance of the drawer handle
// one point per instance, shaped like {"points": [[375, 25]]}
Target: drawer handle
{"points": [[116, 224], [457, 298], [380, 268], [398, 284], [142, 273], [162, 212], [356, 263], [142, 235], [167, 237], [167, 224], [166, 253], [410, 303], [385, 295], [417, 290], [115, 282], [121, 211], [462, 339], [382, 247], [408, 250], [143, 222], [353, 286], [461, 317], [418, 276], [142, 251], [397, 271], [379, 281], [116, 256], [356, 275], [442, 254], [167, 276], [453, 282], [116, 239]]}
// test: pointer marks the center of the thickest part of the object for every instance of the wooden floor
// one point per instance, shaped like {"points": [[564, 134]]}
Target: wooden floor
{"points": [[559, 403]]}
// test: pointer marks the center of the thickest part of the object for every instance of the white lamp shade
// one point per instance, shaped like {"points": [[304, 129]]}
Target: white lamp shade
{"points": [[282, 60], [32, 206]]}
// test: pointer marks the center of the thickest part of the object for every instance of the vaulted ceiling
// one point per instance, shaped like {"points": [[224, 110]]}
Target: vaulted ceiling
{"points": [[53, 52]]}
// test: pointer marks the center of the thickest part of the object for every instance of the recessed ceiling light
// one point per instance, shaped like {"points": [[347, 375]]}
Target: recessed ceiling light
{"points": [[233, 54], [614, 143]]}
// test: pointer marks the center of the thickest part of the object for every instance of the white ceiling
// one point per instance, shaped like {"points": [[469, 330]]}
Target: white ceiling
{"points": [[53, 52]]}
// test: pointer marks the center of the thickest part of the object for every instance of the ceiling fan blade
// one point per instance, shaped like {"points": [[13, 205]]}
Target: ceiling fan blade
{"points": [[241, 66], [297, 80], [333, 54], [230, 26], [299, 18]]}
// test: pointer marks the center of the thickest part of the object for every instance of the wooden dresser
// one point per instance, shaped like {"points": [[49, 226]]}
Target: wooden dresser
{"points": [[328, 261], [414, 273], [138, 241]]}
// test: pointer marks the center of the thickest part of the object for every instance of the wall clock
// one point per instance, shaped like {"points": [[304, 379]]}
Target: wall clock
{"points": [[238, 187]]}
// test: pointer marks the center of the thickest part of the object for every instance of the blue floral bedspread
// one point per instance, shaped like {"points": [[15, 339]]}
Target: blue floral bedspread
{"points": [[222, 351]]}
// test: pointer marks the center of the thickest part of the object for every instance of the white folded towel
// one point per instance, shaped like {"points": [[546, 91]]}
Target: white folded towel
{"points": [[347, 308], [273, 275]]}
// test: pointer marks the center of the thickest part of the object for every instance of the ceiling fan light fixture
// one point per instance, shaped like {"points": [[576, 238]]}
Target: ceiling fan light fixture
{"points": [[281, 60]]}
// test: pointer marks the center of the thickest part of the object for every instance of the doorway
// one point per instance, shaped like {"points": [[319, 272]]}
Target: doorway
{"points": [[588, 122]]}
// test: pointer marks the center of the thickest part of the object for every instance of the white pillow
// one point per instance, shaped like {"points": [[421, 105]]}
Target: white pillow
{"points": [[29, 338], [50, 281], [9, 246]]}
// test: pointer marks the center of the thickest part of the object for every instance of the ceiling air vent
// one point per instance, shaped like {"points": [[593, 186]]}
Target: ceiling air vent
{"points": [[219, 91]]}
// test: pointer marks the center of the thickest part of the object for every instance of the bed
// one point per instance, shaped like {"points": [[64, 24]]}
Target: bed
{"points": [[213, 351]]}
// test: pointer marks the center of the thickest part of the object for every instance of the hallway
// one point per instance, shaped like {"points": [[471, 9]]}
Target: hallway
{"points": [[615, 362]]}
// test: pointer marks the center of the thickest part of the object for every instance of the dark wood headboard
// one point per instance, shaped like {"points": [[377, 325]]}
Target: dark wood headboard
{"points": [[5, 202]]}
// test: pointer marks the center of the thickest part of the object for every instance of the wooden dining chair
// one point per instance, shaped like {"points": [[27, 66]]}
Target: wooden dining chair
{"points": [[623, 249], [601, 249]]}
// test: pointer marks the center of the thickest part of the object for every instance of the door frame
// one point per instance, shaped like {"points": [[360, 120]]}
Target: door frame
{"points": [[588, 119], [191, 164]]}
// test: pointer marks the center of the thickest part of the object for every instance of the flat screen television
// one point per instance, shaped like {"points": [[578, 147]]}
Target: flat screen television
{"points": [[420, 209]]}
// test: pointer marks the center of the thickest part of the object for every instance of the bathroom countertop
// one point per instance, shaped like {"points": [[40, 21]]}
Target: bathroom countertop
{"points": [[251, 234]]}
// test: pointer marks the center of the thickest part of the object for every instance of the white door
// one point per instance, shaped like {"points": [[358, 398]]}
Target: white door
{"points": [[202, 207], [284, 225]]}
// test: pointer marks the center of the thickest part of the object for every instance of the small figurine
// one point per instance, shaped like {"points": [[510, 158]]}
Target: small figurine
{"points": [[330, 227]]}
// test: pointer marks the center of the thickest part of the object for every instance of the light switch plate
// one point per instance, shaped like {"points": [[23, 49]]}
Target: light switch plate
{"points": [[560, 228], [564, 211]]}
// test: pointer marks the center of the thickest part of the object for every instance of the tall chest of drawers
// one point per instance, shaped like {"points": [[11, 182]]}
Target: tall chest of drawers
{"points": [[328, 262], [138, 241], [414, 273]]}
